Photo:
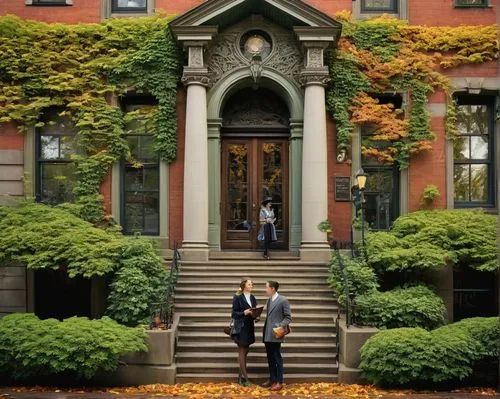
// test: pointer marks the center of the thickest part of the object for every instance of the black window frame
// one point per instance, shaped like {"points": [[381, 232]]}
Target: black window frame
{"points": [[50, 3], [39, 161], [367, 10], [489, 101], [115, 9], [371, 168], [460, 4], [395, 195], [124, 166]]}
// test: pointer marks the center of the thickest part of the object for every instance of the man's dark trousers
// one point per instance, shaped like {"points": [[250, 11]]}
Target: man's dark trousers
{"points": [[275, 361]]}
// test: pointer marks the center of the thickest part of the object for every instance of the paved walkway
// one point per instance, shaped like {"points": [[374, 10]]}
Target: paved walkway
{"points": [[12, 394]]}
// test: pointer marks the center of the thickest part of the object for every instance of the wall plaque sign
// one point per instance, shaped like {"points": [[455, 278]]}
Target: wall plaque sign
{"points": [[342, 188]]}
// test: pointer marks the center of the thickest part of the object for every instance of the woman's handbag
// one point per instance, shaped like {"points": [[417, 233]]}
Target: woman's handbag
{"points": [[229, 329]]}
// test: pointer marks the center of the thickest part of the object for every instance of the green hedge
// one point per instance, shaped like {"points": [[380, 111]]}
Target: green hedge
{"points": [[416, 356], [401, 307], [30, 347], [360, 278], [140, 281], [46, 237], [428, 240]]}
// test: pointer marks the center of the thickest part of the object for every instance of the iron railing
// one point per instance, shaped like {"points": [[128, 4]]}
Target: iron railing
{"points": [[162, 313]]}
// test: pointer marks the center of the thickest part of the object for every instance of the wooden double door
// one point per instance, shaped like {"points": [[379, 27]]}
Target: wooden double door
{"points": [[253, 169]]}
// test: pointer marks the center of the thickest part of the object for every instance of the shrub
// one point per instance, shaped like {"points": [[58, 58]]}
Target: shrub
{"points": [[30, 347], [401, 307], [431, 239], [414, 355], [140, 281], [45, 237], [360, 278]]}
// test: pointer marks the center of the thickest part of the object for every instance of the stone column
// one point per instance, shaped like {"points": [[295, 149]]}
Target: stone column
{"points": [[314, 158], [295, 179], [195, 213]]}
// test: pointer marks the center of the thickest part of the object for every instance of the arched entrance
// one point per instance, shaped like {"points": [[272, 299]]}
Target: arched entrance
{"points": [[254, 165]]}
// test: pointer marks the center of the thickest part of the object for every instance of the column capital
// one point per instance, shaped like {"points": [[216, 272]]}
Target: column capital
{"points": [[314, 76], [195, 76]]}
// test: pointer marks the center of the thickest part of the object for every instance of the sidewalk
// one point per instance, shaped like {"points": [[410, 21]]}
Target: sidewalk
{"points": [[199, 391]]}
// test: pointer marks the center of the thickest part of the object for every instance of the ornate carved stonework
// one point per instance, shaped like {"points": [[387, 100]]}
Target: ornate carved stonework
{"points": [[196, 57], [195, 76], [250, 108], [314, 76], [315, 57], [224, 56], [221, 56]]}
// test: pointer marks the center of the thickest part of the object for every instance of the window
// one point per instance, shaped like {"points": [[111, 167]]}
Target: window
{"points": [[129, 6], [368, 6], [474, 293], [49, 2], [141, 182], [55, 168], [471, 3], [382, 185], [473, 152]]}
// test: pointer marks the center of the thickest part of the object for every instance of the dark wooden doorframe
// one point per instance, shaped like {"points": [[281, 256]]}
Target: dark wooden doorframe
{"points": [[244, 186]]}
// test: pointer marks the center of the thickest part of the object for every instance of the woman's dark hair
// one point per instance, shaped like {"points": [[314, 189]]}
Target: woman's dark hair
{"points": [[273, 284]]}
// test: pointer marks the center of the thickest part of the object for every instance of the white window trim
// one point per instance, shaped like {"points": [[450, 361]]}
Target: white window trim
{"points": [[402, 11], [30, 3], [107, 13]]}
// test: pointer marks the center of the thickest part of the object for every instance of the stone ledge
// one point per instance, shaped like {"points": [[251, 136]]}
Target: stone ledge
{"points": [[351, 341], [136, 374]]}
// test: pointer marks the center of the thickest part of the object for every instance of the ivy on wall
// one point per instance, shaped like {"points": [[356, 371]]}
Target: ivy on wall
{"points": [[80, 68], [388, 55]]}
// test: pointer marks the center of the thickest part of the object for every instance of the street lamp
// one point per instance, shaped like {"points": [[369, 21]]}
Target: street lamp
{"points": [[361, 182]]}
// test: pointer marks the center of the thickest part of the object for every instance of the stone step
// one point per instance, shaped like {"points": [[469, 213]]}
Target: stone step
{"points": [[229, 346], [254, 377], [261, 367], [249, 262], [298, 317], [241, 270], [327, 338], [218, 327], [209, 283], [223, 300], [245, 255], [261, 276], [231, 290], [254, 357], [208, 307]]}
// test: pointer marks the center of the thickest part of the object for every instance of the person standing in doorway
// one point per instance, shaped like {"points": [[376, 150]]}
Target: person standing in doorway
{"points": [[244, 331], [267, 232], [279, 315]]}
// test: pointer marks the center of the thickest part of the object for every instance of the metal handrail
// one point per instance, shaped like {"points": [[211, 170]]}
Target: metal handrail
{"points": [[164, 310], [172, 281], [345, 283]]}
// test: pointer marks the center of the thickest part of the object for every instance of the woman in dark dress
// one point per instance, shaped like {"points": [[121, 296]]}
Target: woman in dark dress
{"points": [[244, 328]]}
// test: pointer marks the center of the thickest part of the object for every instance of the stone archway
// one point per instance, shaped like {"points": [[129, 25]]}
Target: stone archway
{"points": [[216, 67], [293, 97]]}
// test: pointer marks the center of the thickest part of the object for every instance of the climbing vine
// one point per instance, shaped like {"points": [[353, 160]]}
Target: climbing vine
{"points": [[80, 69], [386, 55]]}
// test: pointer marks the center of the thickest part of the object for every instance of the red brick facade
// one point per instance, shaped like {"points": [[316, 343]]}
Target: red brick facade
{"points": [[426, 168]]}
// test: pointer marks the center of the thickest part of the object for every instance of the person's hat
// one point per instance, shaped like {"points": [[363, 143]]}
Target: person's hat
{"points": [[265, 201]]}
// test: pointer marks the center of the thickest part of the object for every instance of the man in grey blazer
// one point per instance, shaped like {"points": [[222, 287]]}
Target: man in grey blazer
{"points": [[278, 315]]}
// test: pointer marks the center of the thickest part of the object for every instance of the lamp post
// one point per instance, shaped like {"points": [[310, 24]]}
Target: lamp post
{"points": [[361, 182]]}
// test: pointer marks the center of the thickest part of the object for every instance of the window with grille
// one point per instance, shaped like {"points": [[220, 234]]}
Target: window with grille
{"points": [[55, 167], [473, 152], [140, 181]]}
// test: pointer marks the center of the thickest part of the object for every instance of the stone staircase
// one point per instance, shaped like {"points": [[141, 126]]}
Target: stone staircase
{"points": [[203, 302]]}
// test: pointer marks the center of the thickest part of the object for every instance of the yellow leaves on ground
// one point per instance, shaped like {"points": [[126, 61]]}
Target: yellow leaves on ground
{"points": [[311, 390]]}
